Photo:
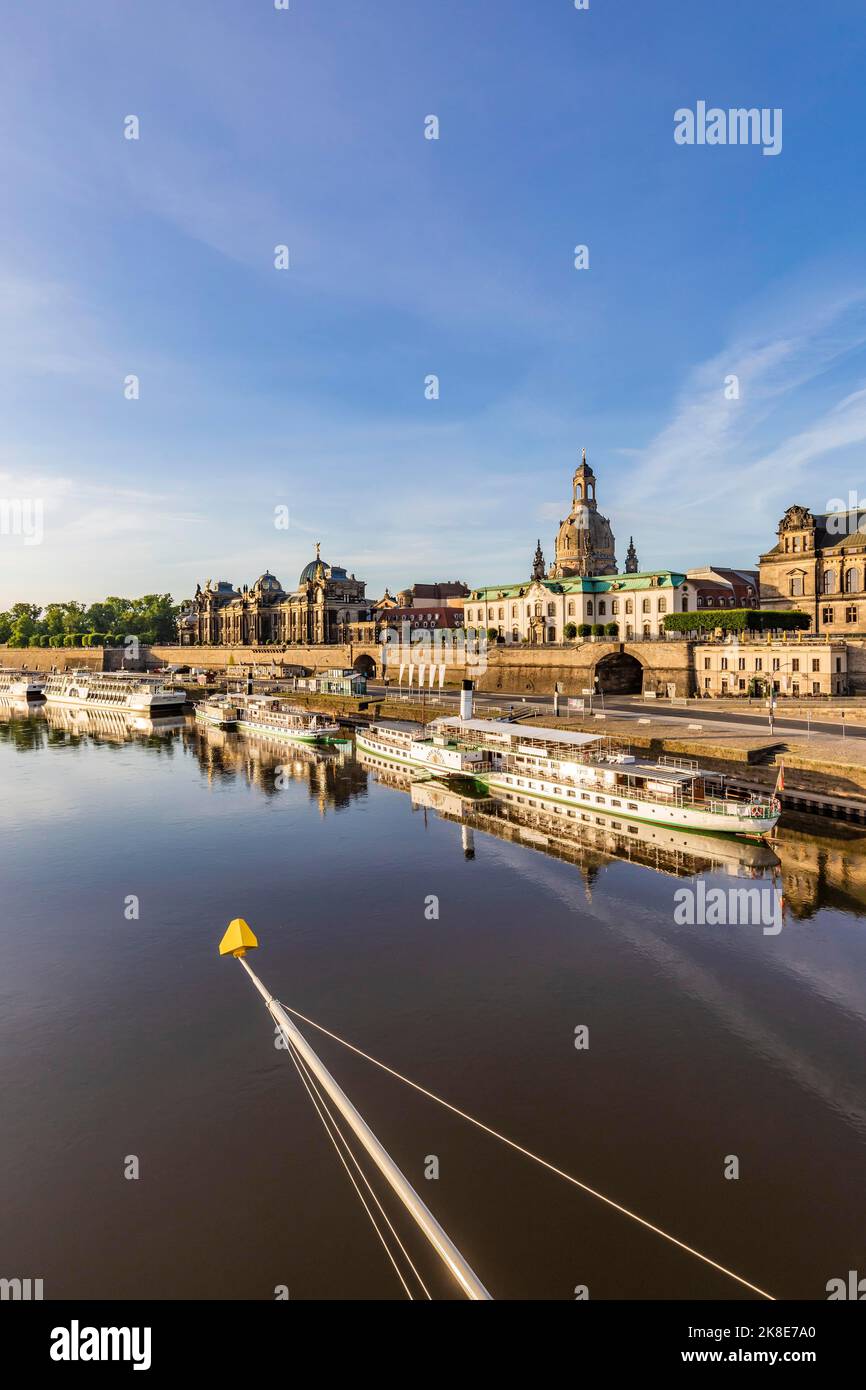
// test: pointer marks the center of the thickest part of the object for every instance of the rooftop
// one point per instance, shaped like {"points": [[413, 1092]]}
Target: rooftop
{"points": [[576, 584], [526, 733]]}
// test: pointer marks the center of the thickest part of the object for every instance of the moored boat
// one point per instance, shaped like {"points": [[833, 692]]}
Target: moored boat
{"points": [[412, 747], [21, 685], [137, 693], [577, 771], [267, 714], [221, 711]]}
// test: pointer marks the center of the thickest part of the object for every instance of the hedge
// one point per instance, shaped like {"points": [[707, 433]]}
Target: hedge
{"points": [[737, 620], [584, 630], [612, 630]]}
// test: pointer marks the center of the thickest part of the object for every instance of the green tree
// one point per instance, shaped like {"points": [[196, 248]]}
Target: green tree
{"points": [[24, 623], [73, 617], [53, 619]]}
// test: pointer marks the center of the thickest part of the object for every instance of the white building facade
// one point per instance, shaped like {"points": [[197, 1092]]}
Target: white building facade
{"points": [[540, 610]]}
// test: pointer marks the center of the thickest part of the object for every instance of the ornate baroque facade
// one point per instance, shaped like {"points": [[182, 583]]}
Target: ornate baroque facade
{"points": [[540, 609], [322, 608], [818, 565]]}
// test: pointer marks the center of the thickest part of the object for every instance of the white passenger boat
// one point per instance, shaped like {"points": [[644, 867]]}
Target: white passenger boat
{"points": [[21, 685], [128, 690], [577, 771], [566, 832], [220, 711], [267, 714], [413, 747]]}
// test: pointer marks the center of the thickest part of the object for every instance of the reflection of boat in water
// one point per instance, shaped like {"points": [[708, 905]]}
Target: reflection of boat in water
{"points": [[576, 772], [584, 839], [271, 763], [109, 723], [12, 708]]}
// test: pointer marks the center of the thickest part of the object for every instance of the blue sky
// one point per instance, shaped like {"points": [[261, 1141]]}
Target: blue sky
{"points": [[305, 388]]}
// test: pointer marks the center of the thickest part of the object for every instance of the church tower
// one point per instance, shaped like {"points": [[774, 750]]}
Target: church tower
{"points": [[631, 564], [584, 543], [538, 562]]}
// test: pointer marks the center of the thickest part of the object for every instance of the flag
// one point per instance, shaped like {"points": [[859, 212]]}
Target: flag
{"points": [[780, 780]]}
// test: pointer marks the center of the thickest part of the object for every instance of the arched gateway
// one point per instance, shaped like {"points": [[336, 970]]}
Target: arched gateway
{"points": [[619, 674], [365, 666]]}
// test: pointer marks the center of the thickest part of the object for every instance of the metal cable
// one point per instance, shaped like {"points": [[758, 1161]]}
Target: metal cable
{"points": [[313, 1082], [385, 1245], [584, 1187]]}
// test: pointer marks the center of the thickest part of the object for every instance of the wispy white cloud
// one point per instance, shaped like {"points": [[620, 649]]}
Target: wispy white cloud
{"points": [[717, 471]]}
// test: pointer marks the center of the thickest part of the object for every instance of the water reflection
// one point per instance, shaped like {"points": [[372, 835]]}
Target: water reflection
{"points": [[816, 864], [28, 726], [330, 772]]}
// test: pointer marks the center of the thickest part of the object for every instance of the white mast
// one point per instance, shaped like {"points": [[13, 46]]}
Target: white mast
{"points": [[237, 940]]}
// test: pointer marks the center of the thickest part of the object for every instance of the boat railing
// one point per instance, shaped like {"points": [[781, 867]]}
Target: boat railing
{"points": [[681, 764], [727, 805], [396, 736]]}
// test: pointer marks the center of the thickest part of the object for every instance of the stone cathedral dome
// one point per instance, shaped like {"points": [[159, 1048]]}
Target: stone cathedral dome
{"points": [[584, 543]]}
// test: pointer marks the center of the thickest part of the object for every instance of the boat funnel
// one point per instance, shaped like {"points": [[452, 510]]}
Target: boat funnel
{"points": [[466, 700]]}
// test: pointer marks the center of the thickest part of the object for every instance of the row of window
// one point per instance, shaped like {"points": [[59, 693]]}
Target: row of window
{"points": [[565, 811], [851, 583], [536, 610], [759, 663], [828, 615], [740, 684]]}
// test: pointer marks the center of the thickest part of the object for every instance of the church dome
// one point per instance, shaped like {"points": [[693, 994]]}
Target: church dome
{"points": [[313, 570], [268, 583]]}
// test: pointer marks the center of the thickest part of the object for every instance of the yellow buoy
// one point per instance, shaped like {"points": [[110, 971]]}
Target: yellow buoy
{"points": [[238, 939]]}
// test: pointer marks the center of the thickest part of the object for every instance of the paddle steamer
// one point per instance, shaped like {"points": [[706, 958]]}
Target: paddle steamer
{"points": [[581, 772]]}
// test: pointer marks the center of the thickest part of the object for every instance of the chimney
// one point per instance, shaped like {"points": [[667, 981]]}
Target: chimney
{"points": [[466, 700]]}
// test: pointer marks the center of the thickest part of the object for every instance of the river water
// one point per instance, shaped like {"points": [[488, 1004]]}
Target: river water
{"points": [[463, 945]]}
